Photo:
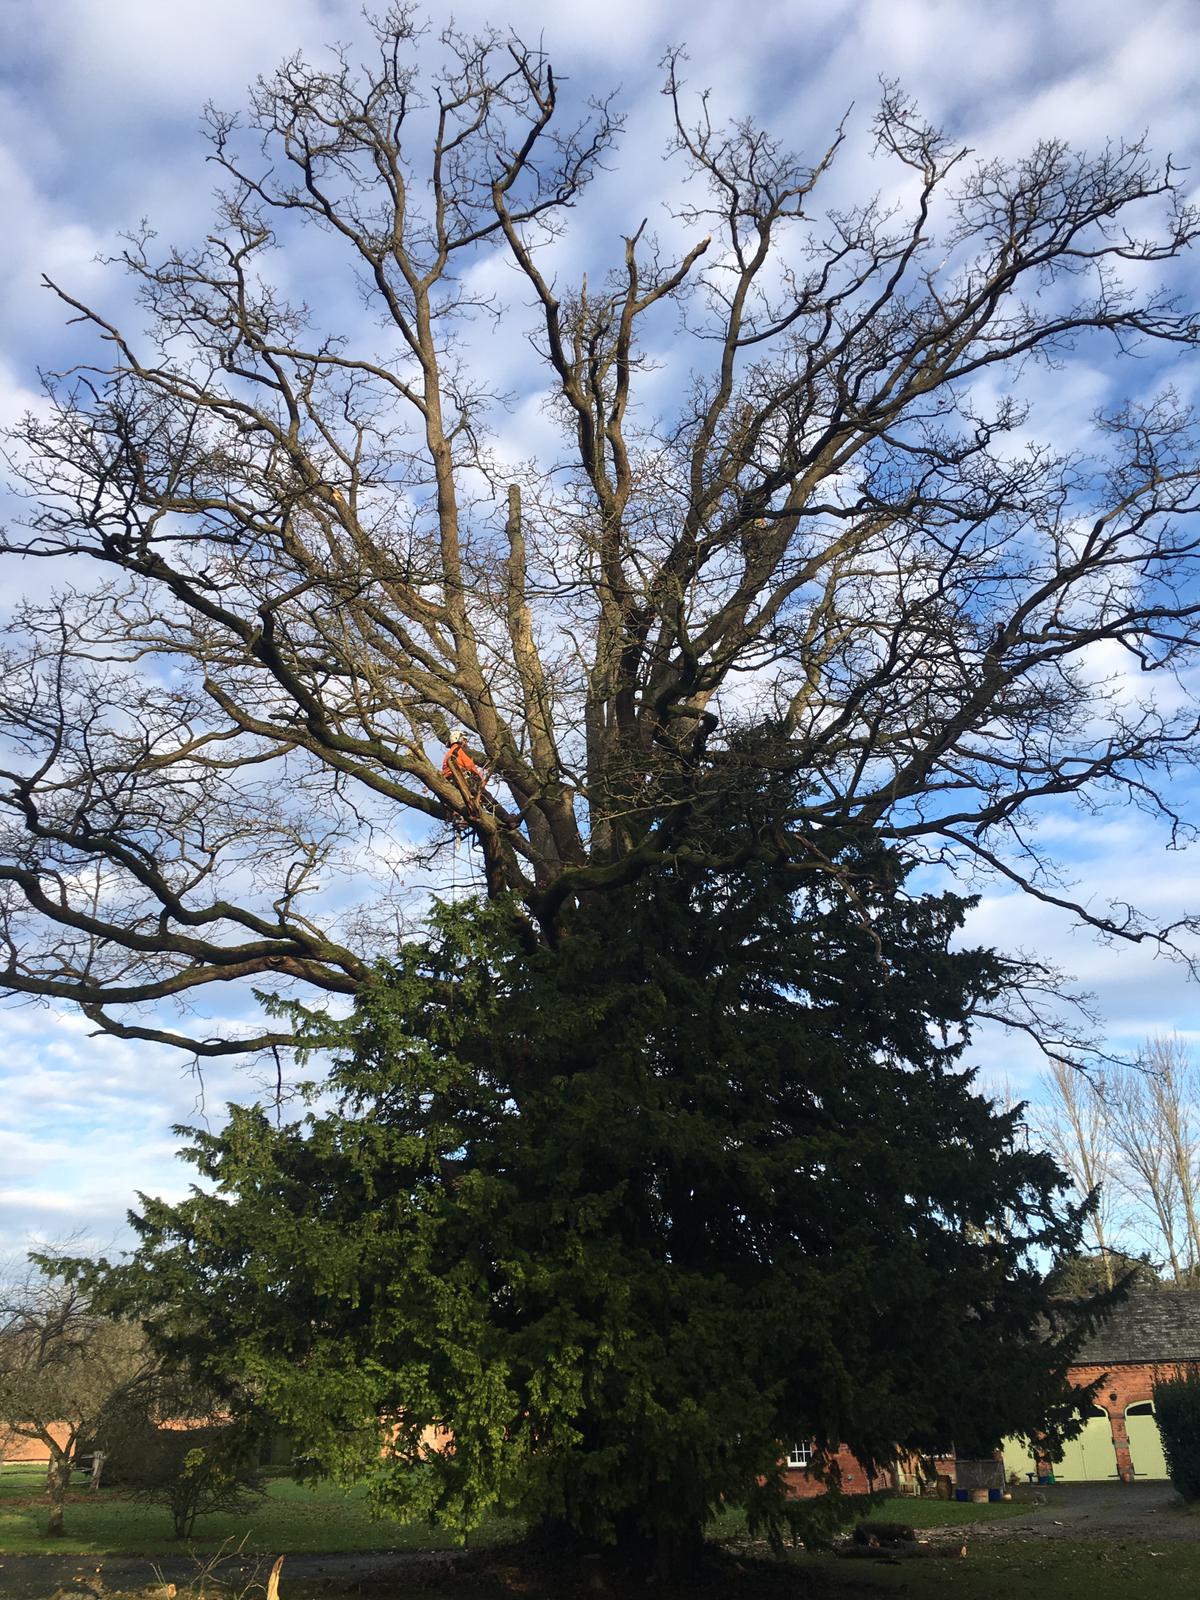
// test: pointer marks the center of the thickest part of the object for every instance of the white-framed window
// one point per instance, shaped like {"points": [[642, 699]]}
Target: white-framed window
{"points": [[800, 1455]]}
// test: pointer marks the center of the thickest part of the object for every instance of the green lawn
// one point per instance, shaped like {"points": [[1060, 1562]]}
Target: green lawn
{"points": [[298, 1519], [1066, 1570], [291, 1518], [1041, 1570], [1117, 1569], [951, 1513]]}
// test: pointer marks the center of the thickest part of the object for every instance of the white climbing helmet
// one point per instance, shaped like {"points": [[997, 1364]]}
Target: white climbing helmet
{"points": [[459, 736]]}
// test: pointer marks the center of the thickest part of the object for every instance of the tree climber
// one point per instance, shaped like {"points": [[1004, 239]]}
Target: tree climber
{"points": [[464, 772], [470, 779]]}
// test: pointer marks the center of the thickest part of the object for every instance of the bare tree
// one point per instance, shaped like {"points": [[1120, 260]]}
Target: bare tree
{"points": [[1074, 1124], [1153, 1124], [313, 561], [62, 1370]]}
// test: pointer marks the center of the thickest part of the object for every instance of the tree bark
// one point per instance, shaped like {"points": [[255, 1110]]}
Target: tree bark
{"points": [[58, 1478]]}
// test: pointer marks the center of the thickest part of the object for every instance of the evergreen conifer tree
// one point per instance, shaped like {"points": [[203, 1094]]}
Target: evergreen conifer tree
{"points": [[627, 1214]]}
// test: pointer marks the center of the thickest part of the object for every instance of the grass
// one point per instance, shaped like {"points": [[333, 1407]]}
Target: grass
{"points": [[917, 1513], [1052, 1572], [1053, 1569], [292, 1518], [951, 1513], [299, 1520], [1101, 1569], [1058, 1568]]}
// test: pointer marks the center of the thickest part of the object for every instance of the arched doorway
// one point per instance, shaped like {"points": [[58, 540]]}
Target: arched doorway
{"points": [[1145, 1441], [1091, 1457]]}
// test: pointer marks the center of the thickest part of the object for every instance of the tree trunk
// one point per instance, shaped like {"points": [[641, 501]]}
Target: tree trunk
{"points": [[664, 1554], [58, 1476]]}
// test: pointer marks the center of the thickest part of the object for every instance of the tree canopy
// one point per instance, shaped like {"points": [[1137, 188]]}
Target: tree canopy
{"points": [[626, 1215], [313, 557]]}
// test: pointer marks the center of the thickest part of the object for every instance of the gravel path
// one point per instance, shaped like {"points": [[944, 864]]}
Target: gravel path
{"points": [[1142, 1512]]}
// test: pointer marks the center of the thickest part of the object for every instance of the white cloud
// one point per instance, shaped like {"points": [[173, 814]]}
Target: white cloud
{"points": [[52, 240], [105, 60], [86, 1121], [1138, 988]]}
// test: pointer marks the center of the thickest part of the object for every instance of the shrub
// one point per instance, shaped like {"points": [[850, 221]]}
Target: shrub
{"points": [[1177, 1405], [193, 1471]]}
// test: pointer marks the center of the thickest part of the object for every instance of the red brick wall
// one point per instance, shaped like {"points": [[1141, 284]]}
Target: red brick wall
{"points": [[19, 1450], [1121, 1385], [1128, 1382], [13, 1448], [855, 1478]]}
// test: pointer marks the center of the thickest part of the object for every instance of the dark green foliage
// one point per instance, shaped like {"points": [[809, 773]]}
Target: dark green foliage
{"points": [[1084, 1275], [625, 1213], [1177, 1410]]}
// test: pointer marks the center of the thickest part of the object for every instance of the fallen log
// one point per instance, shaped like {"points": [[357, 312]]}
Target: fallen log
{"points": [[899, 1551], [883, 1532]]}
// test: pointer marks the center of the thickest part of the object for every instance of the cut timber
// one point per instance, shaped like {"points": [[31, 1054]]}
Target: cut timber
{"points": [[899, 1551], [883, 1532]]}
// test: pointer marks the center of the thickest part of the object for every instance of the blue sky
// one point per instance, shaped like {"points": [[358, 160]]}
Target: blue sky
{"points": [[99, 112]]}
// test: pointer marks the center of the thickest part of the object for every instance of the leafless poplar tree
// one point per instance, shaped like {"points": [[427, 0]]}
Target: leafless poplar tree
{"points": [[312, 561], [1074, 1125], [1153, 1123]]}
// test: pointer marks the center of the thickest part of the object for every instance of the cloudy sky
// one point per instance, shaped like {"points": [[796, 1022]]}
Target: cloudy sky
{"points": [[100, 103]]}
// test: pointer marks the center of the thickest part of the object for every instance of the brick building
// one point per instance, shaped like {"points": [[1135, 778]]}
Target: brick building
{"points": [[855, 1477], [1151, 1333]]}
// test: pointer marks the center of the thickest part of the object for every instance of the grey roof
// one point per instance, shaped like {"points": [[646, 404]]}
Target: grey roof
{"points": [[1162, 1325]]}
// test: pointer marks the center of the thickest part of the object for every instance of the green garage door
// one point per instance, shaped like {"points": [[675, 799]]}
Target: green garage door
{"points": [[1090, 1457], [1018, 1458], [1145, 1442]]}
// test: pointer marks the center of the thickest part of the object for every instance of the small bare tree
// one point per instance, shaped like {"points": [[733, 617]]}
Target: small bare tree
{"points": [[62, 1370], [313, 561]]}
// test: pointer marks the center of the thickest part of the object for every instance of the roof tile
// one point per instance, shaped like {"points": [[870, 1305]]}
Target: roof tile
{"points": [[1163, 1325]]}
